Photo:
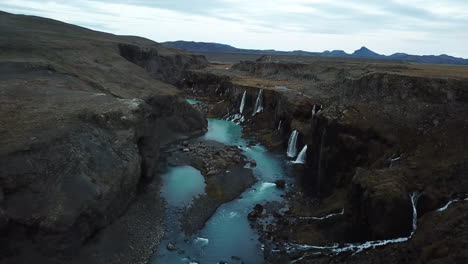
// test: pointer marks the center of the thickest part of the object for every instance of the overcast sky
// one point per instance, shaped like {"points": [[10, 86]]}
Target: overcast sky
{"points": [[385, 26]]}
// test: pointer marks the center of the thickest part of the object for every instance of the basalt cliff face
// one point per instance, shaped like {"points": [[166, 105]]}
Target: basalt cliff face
{"points": [[82, 117], [375, 133]]}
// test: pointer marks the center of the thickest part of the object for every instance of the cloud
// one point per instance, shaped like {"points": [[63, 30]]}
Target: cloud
{"points": [[388, 26]]}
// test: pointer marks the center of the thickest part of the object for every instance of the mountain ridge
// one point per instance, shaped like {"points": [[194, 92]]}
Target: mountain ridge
{"points": [[363, 52]]}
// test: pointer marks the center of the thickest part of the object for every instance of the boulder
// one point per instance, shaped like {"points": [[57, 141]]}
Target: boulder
{"points": [[171, 247], [281, 184], [255, 213]]}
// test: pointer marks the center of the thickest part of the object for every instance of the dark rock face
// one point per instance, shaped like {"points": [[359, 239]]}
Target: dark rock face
{"points": [[83, 128], [281, 184], [167, 67], [256, 212], [380, 193], [384, 131]]}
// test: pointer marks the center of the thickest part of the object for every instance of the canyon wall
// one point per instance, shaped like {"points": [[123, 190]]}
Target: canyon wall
{"points": [[361, 123], [83, 115]]}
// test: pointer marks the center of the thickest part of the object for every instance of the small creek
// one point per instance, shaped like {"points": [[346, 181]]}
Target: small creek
{"points": [[227, 236]]}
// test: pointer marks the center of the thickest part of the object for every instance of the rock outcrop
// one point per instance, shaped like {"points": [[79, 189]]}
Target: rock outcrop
{"points": [[83, 115], [375, 133]]}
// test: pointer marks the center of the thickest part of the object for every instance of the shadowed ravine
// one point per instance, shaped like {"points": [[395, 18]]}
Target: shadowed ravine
{"points": [[227, 236]]}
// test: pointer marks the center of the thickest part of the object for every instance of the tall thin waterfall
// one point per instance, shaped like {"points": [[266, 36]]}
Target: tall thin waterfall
{"points": [[301, 158], [313, 111], [258, 103], [241, 108], [414, 196], [292, 145], [279, 124], [358, 247]]}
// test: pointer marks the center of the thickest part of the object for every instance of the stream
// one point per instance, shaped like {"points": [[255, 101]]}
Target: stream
{"points": [[227, 236]]}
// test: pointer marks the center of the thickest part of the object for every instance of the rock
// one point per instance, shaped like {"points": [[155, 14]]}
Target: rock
{"points": [[211, 173], [171, 247], [3, 220], [281, 184], [256, 212], [253, 163], [258, 207], [108, 127], [377, 193]]}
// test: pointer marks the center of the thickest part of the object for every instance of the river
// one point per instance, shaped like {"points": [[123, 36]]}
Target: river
{"points": [[227, 236]]}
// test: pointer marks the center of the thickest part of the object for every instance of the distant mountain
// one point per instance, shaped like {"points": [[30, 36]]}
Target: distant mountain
{"points": [[201, 46], [363, 52]]}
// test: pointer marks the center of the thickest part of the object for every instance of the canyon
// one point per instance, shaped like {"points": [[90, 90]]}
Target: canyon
{"points": [[372, 155]]}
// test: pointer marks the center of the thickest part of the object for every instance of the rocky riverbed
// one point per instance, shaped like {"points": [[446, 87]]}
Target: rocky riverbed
{"points": [[225, 173]]}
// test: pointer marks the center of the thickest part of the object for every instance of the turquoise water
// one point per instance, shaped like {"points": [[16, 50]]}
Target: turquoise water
{"points": [[227, 233], [181, 185], [192, 101], [282, 88]]}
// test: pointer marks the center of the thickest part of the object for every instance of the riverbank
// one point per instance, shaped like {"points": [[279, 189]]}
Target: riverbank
{"points": [[224, 172], [227, 235]]}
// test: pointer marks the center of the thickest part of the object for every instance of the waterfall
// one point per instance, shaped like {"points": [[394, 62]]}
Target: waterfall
{"points": [[279, 124], [323, 217], [358, 247], [392, 161], [313, 111], [241, 108], [301, 158], [320, 109], [414, 200], [292, 145], [258, 103], [336, 249]]}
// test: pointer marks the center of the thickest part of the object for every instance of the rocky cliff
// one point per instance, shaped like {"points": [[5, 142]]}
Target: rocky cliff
{"points": [[375, 133], [82, 117]]}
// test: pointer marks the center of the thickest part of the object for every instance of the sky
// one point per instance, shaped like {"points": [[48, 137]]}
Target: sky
{"points": [[418, 27]]}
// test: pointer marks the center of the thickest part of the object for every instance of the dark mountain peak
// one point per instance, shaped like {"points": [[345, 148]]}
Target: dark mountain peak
{"points": [[365, 52]]}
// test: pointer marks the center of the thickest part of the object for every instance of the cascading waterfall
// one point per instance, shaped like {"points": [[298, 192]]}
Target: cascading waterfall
{"points": [[414, 200], [393, 161], [446, 206], [319, 110], [238, 118], [323, 217], [258, 103], [292, 145], [301, 158], [241, 108], [356, 248]]}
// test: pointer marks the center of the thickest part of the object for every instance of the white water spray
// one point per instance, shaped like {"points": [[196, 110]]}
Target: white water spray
{"points": [[446, 206], [301, 158], [356, 248], [258, 103], [393, 161], [323, 217], [241, 108], [292, 145]]}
